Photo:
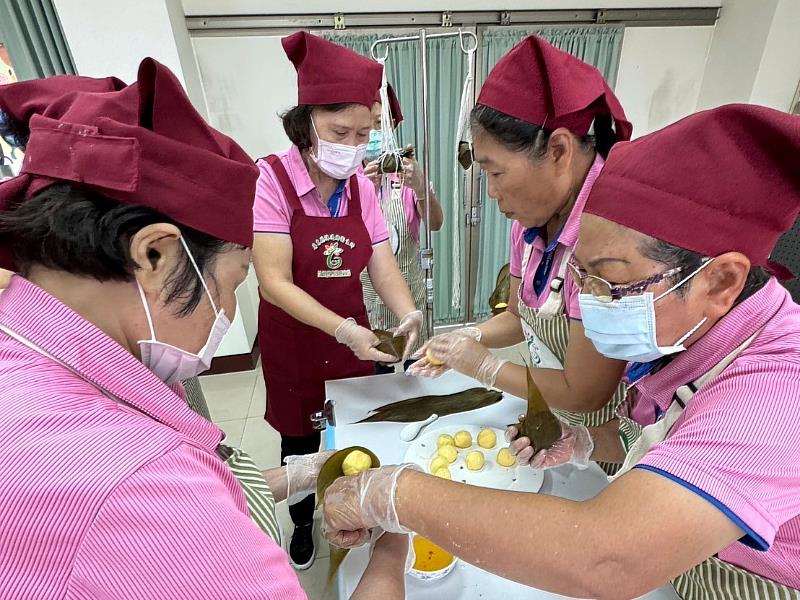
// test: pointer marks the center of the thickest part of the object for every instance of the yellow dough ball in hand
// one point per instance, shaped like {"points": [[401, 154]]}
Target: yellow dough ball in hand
{"points": [[445, 440], [487, 438], [475, 460], [432, 360], [356, 462], [437, 463], [449, 453], [506, 458], [444, 473], [463, 439]]}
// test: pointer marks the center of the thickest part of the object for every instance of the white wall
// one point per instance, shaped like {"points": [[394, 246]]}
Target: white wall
{"points": [[779, 70], [110, 37], [660, 74]]}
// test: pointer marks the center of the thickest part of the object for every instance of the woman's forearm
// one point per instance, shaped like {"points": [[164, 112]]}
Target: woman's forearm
{"points": [[277, 481], [501, 331], [437, 217], [384, 578], [535, 539]]}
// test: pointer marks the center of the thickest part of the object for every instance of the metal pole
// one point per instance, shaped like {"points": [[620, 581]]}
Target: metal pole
{"points": [[426, 256]]}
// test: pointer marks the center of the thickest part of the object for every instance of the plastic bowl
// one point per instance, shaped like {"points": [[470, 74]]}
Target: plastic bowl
{"points": [[420, 544]]}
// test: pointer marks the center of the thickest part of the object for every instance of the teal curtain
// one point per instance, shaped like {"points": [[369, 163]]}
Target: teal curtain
{"points": [[597, 45], [446, 71], [32, 33]]}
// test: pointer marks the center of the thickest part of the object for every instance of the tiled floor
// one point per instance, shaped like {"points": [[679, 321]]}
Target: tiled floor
{"points": [[237, 403]]}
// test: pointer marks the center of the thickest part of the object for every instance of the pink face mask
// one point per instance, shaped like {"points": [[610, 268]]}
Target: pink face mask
{"points": [[172, 364]]}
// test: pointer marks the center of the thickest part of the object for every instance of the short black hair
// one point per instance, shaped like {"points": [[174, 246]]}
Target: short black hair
{"points": [[521, 136], [79, 231], [673, 257], [297, 121]]}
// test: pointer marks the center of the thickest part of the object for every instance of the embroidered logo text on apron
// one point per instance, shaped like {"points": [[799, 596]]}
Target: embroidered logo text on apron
{"points": [[333, 246]]}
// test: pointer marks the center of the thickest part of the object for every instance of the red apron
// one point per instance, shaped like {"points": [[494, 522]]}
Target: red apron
{"points": [[328, 257]]}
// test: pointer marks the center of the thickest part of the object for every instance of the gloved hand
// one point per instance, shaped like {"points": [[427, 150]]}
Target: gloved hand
{"points": [[354, 505], [575, 447], [423, 366], [410, 326], [371, 172], [302, 473], [414, 177], [398, 544], [461, 353], [361, 341]]}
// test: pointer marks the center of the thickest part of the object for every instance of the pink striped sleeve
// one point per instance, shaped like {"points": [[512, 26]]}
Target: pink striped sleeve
{"points": [[516, 250], [172, 530], [734, 444]]}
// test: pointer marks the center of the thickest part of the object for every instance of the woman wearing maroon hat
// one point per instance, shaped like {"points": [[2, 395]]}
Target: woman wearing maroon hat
{"points": [[674, 271], [402, 197], [318, 226], [543, 124], [112, 486]]}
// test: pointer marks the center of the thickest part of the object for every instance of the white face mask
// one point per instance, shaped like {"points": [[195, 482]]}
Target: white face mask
{"points": [[625, 329], [172, 364], [339, 161]]}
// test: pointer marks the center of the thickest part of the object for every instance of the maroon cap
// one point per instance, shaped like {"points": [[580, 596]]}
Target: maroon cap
{"points": [[328, 73], [718, 181], [142, 144], [542, 85], [394, 104]]}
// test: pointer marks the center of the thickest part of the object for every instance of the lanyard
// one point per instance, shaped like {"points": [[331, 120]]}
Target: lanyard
{"points": [[335, 201], [546, 264]]}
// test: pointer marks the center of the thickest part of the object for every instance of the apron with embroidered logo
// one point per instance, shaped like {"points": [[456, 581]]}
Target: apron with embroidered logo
{"points": [[406, 252], [713, 579], [547, 335]]}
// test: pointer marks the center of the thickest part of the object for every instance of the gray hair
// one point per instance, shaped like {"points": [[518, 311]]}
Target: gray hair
{"points": [[673, 257]]}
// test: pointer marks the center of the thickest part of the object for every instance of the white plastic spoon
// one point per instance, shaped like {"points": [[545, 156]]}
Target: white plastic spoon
{"points": [[410, 431]]}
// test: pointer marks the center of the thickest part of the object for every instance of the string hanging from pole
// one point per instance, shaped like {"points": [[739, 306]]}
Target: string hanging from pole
{"points": [[463, 142]]}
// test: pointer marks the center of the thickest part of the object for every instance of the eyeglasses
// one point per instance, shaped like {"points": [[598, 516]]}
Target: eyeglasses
{"points": [[605, 291]]}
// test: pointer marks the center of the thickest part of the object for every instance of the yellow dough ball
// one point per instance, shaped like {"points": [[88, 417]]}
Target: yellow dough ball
{"points": [[463, 439], [475, 460], [449, 453], [501, 305], [444, 473], [356, 462], [437, 463], [445, 440], [435, 362], [505, 458], [487, 438]]}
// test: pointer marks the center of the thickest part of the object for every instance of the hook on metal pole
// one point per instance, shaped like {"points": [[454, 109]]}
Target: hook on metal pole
{"points": [[374, 47], [470, 35]]}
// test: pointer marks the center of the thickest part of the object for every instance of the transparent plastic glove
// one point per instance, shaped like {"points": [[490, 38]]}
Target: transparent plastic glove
{"points": [[424, 368], [410, 326], [357, 504], [302, 473], [361, 341], [462, 354], [575, 447]]}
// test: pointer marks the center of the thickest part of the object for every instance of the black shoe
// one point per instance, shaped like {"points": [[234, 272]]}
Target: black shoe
{"points": [[301, 548]]}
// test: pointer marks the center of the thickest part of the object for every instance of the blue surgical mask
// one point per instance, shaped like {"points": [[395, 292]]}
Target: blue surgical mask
{"points": [[625, 329], [374, 145]]}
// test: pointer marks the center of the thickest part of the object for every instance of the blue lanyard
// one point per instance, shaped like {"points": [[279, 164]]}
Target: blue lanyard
{"points": [[335, 201], [546, 264]]}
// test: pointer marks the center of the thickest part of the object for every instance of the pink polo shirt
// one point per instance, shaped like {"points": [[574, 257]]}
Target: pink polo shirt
{"points": [[105, 501], [566, 243], [736, 443], [271, 211]]}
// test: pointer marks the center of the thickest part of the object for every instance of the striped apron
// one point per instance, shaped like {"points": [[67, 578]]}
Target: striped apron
{"points": [[406, 252], [260, 502], [713, 579], [547, 335]]}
